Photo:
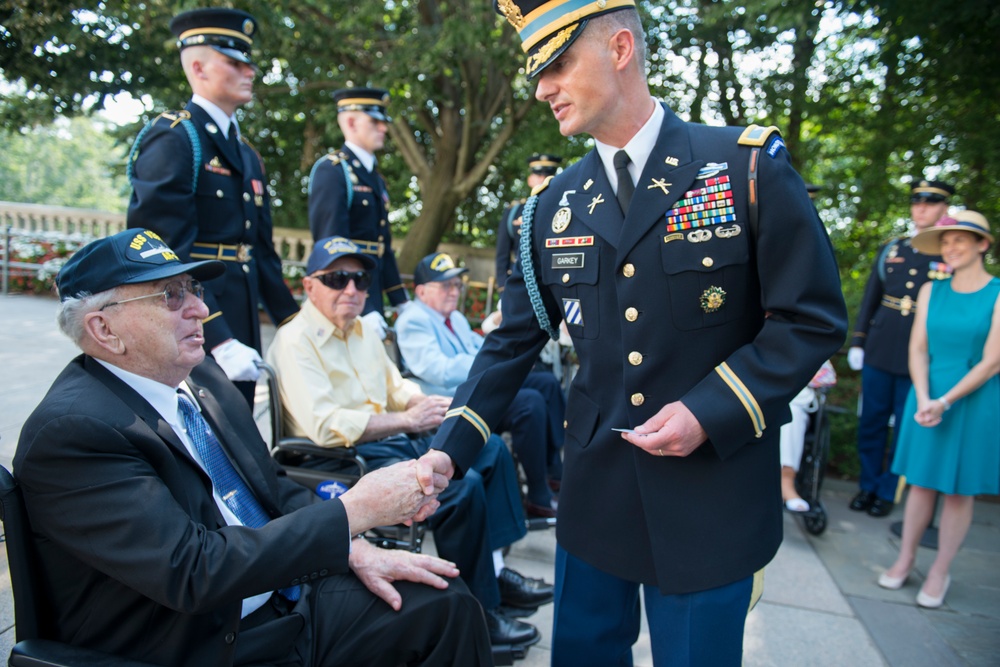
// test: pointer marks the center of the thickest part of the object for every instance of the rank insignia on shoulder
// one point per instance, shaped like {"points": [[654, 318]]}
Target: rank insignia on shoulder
{"points": [[711, 169], [712, 299], [560, 221]]}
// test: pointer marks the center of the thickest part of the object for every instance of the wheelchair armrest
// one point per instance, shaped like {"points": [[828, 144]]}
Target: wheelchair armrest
{"points": [[305, 446], [47, 653]]}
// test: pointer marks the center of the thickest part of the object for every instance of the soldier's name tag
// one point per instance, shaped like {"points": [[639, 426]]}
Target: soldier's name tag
{"points": [[567, 260]]}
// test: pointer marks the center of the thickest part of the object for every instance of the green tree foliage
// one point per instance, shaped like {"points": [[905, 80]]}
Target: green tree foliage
{"points": [[68, 163]]}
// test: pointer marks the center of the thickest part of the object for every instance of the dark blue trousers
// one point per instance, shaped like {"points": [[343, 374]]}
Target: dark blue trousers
{"points": [[479, 513], [597, 620], [546, 384], [882, 394]]}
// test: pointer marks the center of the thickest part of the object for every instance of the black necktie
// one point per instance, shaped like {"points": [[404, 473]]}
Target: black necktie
{"points": [[625, 185], [234, 141]]}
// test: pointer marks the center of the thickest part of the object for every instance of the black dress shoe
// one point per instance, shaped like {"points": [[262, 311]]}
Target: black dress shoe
{"points": [[504, 630], [880, 507], [517, 590], [862, 501]]}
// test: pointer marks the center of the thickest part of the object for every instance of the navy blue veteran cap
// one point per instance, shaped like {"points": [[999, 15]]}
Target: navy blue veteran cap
{"points": [[328, 250], [923, 190], [549, 27], [435, 268], [544, 164], [373, 101], [128, 257], [228, 31]]}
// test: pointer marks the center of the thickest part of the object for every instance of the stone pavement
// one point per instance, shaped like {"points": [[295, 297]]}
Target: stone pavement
{"points": [[821, 606]]}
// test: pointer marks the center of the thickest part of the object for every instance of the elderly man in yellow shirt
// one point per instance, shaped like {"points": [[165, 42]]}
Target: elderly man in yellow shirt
{"points": [[339, 388]]}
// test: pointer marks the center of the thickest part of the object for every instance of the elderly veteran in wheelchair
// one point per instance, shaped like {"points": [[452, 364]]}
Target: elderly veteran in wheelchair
{"points": [[164, 530]]}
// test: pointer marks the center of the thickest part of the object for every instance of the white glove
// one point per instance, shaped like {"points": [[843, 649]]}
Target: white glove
{"points": [[376, 322], [856, 358], [237, 360]]}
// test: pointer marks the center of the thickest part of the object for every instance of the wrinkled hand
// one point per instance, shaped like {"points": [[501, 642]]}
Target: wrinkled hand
{"points": [[378, 568], [433, 465], [673, 431], [856, 358], [238, 361], [376, 322], [929, 412], [391, 495], [427, 413]]}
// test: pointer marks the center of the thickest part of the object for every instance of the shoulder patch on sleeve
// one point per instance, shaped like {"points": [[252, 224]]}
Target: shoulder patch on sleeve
{"points": [[541, 186], [756, 135]]}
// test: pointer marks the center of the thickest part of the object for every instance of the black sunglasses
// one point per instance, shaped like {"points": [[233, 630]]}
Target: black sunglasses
{"points": [[338, 279]]}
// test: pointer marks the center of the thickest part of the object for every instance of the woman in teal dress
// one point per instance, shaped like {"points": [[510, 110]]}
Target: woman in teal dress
{"points": [[949, 441]]}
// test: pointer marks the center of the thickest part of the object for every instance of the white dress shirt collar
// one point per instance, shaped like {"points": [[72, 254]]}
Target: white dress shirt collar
{"points": [[638, 148], [367, 159], [217, 114]]}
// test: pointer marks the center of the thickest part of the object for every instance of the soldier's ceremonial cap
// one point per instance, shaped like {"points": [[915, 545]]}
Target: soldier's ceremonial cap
{"points": [[128, 257], [373, 101], [228, 31], [549, 27], [923, 190], [544, 164]]}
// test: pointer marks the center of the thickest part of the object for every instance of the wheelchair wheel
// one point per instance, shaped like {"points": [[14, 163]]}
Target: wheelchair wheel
{"points": [[815, 521]]}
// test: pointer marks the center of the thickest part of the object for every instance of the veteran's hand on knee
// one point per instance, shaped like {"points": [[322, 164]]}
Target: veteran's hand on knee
{"points": [[378, 568], [673, 431]]}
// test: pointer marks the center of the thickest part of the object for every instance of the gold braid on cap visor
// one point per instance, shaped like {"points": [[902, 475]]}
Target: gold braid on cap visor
{"points": [[553, 45]]}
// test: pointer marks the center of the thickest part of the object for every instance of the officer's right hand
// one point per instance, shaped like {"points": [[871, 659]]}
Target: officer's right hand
{"points": [[237, 360], [856, 358]]}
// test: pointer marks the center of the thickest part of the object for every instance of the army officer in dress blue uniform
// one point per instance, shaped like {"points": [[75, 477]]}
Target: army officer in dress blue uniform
{"points": [[699, 306], [348, 196], [202, 187], [880, 343], [540, 167]]}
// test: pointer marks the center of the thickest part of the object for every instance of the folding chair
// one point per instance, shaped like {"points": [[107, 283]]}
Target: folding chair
{"points": [[34, 631]]}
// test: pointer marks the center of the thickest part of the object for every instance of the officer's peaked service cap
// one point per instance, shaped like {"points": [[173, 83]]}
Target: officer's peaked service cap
{"points": [[923, 190], [544, 164], [548, 27], [129, 257], [228, 31], [373, 101]]}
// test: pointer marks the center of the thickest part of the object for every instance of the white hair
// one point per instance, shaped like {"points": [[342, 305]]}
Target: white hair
{"points": [[73, 310]]}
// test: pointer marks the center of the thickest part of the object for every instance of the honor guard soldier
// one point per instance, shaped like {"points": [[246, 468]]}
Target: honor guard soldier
{"points": [[348, 196], [540, 167], [880, 345], [701, 294], [202, 187]]}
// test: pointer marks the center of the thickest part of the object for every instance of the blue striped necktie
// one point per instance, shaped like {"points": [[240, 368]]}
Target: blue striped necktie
{"points": [[227, 482]]}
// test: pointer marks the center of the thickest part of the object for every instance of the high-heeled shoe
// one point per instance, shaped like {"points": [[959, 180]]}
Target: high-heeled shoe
{"points": [[925, 600], [885, 580]]}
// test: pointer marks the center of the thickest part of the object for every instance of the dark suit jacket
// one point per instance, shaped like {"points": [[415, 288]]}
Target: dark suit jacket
{"points": [[731, 321], [883, 331], [231, 206], [365, 221], [138, 558]]}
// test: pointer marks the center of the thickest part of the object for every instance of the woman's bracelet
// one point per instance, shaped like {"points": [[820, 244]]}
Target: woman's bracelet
{"points": [[945, 402]]}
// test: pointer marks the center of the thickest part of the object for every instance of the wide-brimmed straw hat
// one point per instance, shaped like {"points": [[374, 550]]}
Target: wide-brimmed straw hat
{"points": [[928, 241]]}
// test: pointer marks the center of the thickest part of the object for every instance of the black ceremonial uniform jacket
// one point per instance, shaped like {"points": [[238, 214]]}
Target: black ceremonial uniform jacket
{"points": [[137, 557], [365, 221], [732, 321], [886, 313], [231, 207], [506, 257]]}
